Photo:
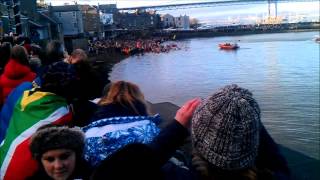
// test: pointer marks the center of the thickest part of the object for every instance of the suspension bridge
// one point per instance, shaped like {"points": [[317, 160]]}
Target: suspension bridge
{"points": [[208, 4]]}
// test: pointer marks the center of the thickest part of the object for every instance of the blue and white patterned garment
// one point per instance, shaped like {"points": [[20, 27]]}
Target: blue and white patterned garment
{"points": [[105, 136]]}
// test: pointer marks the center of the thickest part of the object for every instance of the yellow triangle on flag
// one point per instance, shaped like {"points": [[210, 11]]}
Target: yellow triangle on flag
{"points": [[27, 98]]}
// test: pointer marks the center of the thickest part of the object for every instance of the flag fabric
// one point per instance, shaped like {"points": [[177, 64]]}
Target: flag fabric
{"points": [[33, 110], [7, 108], [106, 136]]}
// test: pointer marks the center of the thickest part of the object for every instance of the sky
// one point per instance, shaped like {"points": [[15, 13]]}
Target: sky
{"points": [[126, 3], [298, 6], [202, 13]]}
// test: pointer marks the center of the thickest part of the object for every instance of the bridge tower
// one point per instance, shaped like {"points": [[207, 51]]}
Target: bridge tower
{"points": [[270, 2], [273, 12]]}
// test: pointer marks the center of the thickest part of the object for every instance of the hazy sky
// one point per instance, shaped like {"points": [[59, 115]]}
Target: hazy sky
{"points": [[293, 7], [126, 3]]}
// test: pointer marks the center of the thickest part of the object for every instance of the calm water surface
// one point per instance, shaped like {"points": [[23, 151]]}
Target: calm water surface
{"points": [[282, 71]]}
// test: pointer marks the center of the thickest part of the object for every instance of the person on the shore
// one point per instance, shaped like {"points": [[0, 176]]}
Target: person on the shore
{"points": [[59, 153], [123, 99], [16, 71], [150, 161], [48, 104], [54, 52], [76, 56], [230, 142], [36, 56]]}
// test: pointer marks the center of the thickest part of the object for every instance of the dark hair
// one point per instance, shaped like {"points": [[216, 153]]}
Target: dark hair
{"points": [[90, 82], [207, 171], [60, 78], [5, 51], [54, 52], [19, 54], [37, 50]]}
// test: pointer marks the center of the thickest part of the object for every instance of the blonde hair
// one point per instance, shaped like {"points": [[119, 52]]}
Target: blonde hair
{"points": [[126, 94]]}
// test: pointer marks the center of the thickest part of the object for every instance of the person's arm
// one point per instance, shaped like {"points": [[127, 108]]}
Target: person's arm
{"points": [[173, 136], [270, 157]]}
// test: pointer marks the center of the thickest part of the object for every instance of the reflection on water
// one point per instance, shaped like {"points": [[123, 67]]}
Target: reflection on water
{"points": [[282, 71]]}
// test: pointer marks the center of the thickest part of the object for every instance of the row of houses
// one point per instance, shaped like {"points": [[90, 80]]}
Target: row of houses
{"points": [[42, 22]]}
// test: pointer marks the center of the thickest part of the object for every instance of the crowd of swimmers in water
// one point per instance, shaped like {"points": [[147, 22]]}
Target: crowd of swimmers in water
{"points": [[59, 120], [132, 46]]}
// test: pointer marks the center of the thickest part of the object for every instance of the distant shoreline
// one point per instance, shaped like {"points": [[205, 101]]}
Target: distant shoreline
{"points": [[241, 30]]}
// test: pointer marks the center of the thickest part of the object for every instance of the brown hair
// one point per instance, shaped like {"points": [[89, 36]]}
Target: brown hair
{"points": [[207, 171], [126, 94], [19, 54]]}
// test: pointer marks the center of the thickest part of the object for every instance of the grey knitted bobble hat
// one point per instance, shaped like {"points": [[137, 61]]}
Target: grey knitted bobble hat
{"points": [[50, 137], [225, 128]]}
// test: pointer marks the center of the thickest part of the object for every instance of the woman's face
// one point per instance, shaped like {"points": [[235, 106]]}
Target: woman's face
{"points": [[59, 164]]}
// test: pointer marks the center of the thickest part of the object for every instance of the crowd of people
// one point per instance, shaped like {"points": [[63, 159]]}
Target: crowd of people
{"points": [[132, 47], [50, 127]]}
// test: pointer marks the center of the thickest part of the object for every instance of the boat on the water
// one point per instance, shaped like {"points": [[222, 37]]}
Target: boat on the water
{"points": [[229, 46]]}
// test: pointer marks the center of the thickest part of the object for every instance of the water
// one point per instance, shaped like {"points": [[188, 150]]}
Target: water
{"points": [[282, 71]]}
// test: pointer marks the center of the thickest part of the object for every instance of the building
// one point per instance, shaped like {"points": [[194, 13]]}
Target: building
{"points": [[28, 8], [137, 21], [91, 20], [108, 13], [38, 25], [182, 22], [45, 27], [71, 18], [167, 21]]}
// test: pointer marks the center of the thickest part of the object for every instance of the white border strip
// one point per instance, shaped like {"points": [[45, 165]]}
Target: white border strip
{"points": [[100, 131]]}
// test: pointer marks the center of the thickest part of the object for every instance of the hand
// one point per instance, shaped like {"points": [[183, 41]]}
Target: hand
{"points": [[184, 114]]}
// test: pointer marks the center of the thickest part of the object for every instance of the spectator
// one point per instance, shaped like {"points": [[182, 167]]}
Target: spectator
{"points": [[150, 161], [123, 99], [123, 118], [54, 52], [16, 71], [59, 153], [89, 88], [77, 55], [36, 56], [36, 107], [227, 134]]}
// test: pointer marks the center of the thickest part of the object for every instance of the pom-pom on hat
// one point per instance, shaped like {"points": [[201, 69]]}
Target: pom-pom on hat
{"points": [[51, 137], [225, 128]]}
